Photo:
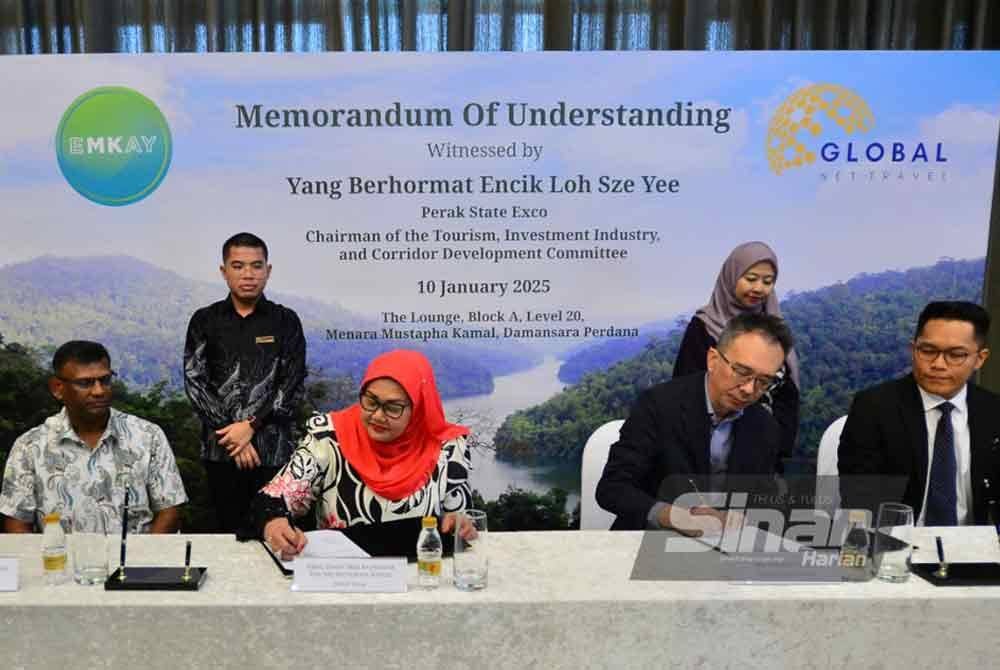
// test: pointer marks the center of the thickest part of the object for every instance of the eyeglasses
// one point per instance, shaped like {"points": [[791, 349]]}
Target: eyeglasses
{"points": [[390, 408], [743, 374], [928, 353], [87, 383]]}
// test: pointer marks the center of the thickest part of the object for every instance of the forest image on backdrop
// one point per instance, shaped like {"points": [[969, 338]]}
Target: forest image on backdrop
{"points": [[849, 336]]}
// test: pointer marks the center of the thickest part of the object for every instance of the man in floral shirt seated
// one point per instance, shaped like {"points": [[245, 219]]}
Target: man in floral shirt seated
{"points": [[81, 460]]}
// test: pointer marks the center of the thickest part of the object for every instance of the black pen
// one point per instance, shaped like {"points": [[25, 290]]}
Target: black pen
{"points": [[991, 506], [187, 562], [942, 570], [121, 571]]}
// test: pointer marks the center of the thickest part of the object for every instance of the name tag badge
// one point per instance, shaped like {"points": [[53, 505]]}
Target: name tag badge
{"points": [[350, 575], [265, 339], [8, 574]]}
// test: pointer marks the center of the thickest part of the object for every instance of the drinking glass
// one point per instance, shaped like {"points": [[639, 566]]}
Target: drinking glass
{"points": [[893, 541], [89, 545], [471, 563]]}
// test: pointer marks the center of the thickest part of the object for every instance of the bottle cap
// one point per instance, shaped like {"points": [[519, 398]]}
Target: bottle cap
{"points": [[857, 516], [52, 517], [429, 522]]}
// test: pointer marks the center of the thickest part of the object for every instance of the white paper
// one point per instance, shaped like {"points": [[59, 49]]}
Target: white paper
{"points": [[8, 574], [962, 544], [327, 544], [350, 575]]}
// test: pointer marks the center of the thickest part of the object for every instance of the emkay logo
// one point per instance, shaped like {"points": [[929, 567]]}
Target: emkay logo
{"points": [[113, 145]]}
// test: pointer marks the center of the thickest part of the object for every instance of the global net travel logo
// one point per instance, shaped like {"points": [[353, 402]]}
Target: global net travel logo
{"points": [[113, 146], [831, 129]]}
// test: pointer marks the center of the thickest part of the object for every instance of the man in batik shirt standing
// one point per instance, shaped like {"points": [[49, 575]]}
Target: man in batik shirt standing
{"points": [[244, 368]]}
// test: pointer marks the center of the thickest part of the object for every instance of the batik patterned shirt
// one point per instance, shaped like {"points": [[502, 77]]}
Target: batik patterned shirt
{"points": [[50, 469], [318, 477], [238, 367]]}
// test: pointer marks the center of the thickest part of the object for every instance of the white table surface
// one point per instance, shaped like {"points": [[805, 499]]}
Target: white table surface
{"points": [[555, 599]]}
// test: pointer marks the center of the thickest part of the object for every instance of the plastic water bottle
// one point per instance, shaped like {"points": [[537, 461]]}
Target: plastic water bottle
{"points": [[854, 557], [54, 561], [429, 549]]}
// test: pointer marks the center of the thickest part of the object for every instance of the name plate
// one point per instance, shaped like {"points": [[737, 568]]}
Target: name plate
{"points": [[350, 575], [8, 574]]}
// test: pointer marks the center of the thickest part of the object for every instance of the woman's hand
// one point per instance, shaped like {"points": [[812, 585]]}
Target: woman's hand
{"points": [[284, 540], [466, 532]]}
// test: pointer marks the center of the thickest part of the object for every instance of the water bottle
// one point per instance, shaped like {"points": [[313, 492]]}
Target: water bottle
{"points": [[854, 555], [54, 550], [429, 550]]}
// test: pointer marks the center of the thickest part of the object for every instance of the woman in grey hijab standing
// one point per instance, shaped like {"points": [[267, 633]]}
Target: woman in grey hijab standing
{"points": [[745, 284]]}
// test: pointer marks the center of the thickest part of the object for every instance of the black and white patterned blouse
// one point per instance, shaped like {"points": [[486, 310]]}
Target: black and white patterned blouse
{"points": [[318, 477]]}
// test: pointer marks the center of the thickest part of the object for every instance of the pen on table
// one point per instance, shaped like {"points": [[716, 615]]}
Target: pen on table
{"points": [[187, 562], [991, 506], [121, 571], [942, 570]]}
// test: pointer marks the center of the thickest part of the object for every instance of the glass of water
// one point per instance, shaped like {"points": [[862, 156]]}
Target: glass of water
{"points": [[89, 544], [471, 563], [893, 542]]}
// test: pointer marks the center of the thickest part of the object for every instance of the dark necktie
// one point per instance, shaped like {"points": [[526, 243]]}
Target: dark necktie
{"points": [[942, 496]]}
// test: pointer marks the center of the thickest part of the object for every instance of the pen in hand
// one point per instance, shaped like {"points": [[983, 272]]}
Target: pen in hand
{"points": [[701, 498]]}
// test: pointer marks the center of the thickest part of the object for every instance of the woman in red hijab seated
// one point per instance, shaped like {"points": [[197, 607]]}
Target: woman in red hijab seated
{"points": [[390, 456]]}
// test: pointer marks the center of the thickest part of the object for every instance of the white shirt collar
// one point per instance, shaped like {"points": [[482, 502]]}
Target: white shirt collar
{"points": [[931, 401]]}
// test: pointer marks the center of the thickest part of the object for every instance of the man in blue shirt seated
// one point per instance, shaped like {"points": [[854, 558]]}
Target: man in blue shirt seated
{"points": [[80, 461], [704, 426], [932, 428]]}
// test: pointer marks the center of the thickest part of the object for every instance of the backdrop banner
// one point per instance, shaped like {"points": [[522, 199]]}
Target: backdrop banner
{"points": [[542, 225]]}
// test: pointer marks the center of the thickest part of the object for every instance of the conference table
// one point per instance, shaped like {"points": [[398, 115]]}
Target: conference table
{"points": [[555, 600]]}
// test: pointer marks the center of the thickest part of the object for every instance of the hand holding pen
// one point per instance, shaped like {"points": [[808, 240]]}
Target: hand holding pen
{"points": [[729, 519], [284, 539]]}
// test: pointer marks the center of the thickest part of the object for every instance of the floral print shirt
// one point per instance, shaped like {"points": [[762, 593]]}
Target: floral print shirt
{"points": [[50, 469]]}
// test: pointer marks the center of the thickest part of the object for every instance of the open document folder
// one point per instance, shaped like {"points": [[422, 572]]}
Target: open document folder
{"points": [[321, 544]]}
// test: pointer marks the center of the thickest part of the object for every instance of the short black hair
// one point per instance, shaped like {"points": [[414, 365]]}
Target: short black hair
{"points": [[956, 310], [243, 240], [80, 351], [771, 328]]}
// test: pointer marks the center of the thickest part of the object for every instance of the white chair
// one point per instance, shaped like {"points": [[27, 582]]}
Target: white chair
{"points": [[827, 488], [595, 457]]}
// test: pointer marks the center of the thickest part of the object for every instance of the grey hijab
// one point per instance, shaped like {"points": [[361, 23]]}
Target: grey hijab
{"points": [[723, 305]]}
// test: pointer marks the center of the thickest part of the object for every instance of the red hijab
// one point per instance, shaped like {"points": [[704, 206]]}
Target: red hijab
{"points": [[396, 469]]}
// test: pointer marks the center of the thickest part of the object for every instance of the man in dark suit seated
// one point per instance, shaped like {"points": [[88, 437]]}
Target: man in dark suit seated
{"points": [[703, 425], [932, 428]]}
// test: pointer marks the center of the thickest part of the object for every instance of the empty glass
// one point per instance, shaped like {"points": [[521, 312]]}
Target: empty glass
{"points": [[893, 541], [471, 563]]}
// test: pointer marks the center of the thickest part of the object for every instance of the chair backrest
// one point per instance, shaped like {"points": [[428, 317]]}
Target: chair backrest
{"points": [[827, 489], [595, 457]]}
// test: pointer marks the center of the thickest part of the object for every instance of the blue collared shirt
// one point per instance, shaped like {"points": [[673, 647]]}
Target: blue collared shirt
{"points": [[720, 444], [722, 436]]}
